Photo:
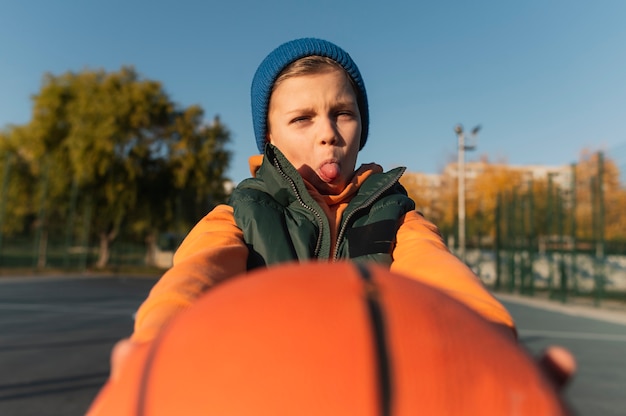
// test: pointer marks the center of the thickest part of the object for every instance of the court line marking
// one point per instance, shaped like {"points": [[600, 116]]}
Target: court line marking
{"points": [[612, 316], [572, 335], [42, 307]]}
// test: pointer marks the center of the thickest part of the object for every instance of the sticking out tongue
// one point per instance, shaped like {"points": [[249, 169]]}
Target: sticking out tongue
{"points": [[329, 172]]}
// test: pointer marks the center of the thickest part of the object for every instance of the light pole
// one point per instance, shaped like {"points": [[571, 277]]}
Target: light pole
{"points": [[458, 129]]}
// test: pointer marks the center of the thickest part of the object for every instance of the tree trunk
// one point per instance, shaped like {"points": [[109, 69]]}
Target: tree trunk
{"points": [[42, 250], [104, 252], [151, 249]]}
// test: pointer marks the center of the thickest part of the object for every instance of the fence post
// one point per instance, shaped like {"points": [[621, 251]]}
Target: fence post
{"points": [[599, 231], [69, 228], [548, 231], [84, 239], [532, 237], [498, 240], [41, 237], [511, 240], [6, 170], [522, 242], [573, 247], [560, 224]]}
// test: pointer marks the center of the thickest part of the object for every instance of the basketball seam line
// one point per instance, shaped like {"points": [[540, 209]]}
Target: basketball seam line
{"points": [[377, 321]]}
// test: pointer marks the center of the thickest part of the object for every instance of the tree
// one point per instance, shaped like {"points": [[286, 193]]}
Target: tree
{"points": [[482, 199], [533, 202], [423, 189], [19, 172], [590, 169], [116, 142], [195, 168], [484, 181]]}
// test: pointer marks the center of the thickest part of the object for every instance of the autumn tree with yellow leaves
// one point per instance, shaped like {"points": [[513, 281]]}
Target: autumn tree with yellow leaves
{"points": [[597, 177], [530, 206]]}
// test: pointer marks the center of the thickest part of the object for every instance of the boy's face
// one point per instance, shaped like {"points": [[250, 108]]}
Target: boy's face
{"points": [[315, 122]]}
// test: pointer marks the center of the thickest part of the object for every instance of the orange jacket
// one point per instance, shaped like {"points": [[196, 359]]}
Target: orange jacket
{"points": [[214, 250]]}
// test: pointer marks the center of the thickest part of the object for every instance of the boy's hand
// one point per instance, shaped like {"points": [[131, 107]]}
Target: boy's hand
{"points": [[121, 350], [558, 364]]}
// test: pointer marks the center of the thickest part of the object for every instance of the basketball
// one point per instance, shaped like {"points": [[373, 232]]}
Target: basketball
{"points": [[328, 339]]}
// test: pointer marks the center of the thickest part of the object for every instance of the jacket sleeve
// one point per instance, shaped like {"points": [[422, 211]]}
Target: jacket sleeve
{"points": [[420, 253], [213, 251]]}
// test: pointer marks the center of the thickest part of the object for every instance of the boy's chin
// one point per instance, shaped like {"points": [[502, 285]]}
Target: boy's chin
{"points": [[329, 188], [324, 187]]}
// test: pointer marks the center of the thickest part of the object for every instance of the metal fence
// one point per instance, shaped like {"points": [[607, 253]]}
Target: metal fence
{"points": [[560, 275], [553, 243], [42, 230], [566, 240], [35, 236], [41, 252]]}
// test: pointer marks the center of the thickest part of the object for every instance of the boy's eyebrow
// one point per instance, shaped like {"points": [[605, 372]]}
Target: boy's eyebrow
{"points": [[346, 103], [299, 110], [340, 104]]}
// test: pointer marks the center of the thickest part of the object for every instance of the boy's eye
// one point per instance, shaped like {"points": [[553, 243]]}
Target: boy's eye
{"points": [[345, 114], [300, 119]]}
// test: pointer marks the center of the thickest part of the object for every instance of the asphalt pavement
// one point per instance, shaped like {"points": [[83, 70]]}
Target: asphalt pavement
{"points": [[56, 334], [55, 338], [596, 337]]}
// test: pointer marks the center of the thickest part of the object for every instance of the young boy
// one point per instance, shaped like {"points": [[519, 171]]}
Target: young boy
{"points": [[306, 201]]}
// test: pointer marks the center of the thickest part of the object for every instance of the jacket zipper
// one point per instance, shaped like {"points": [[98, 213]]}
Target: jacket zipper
{"points": [[368, 202], [304, 205]]}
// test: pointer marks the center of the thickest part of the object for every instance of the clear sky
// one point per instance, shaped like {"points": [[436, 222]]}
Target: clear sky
{"points": [[544, 78]]}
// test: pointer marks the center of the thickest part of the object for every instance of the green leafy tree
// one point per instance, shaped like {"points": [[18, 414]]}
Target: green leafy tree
{"points": [[195, 169], [115, 142], [19, 172]]}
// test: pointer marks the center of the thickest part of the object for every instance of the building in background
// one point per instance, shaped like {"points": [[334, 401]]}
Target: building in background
{"points": [[431, 187]]}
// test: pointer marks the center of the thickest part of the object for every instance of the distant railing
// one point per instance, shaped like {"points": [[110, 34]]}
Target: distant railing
{"points": [[559, 275]]}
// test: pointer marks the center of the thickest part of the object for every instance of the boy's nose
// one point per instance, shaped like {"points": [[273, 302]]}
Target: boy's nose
{"points": [[328, 132]]}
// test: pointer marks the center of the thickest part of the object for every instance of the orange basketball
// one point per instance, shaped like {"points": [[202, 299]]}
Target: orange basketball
{"points": [[328, 339]]}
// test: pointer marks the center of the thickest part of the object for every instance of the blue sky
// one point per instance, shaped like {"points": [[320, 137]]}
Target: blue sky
{"points": [[545, 79]]}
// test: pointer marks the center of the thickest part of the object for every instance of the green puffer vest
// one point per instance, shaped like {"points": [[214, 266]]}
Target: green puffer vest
{"points": [[282, 222]]}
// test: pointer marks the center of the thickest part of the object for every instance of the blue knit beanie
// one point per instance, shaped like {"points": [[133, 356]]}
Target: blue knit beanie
{"points": [[284, 55]]}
